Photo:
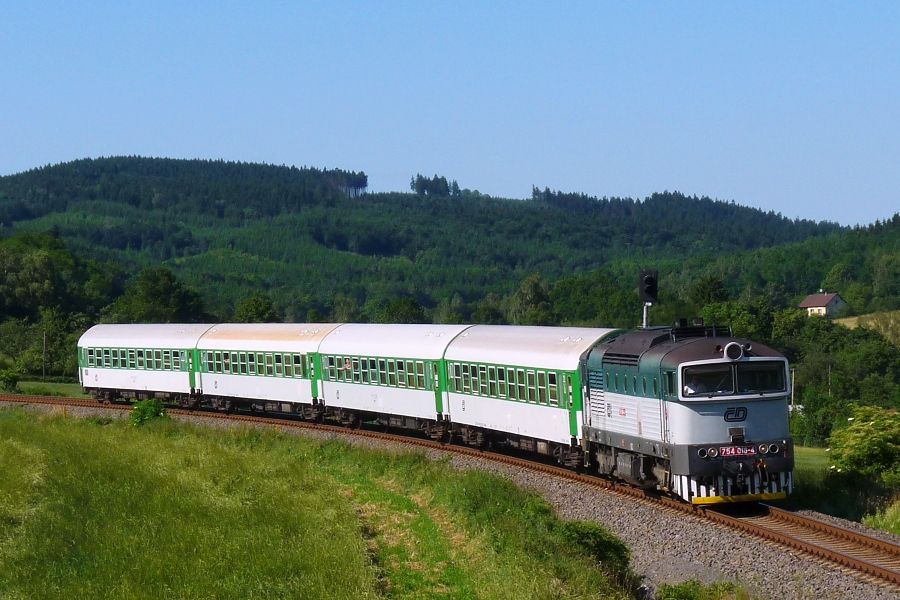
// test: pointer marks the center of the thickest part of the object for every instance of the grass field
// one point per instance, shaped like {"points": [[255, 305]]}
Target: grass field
{"points": [[887, 323], [41, 388], [817, 488], [102, 509]]}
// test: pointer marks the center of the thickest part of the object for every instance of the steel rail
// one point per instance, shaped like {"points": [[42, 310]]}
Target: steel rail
{"points": [[877, 559]]}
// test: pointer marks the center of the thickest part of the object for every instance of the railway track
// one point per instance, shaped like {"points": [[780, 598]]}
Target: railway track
{"points": [[871, 559]]}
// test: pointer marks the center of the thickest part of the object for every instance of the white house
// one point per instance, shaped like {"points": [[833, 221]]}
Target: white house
{"points": [[823, 304]]}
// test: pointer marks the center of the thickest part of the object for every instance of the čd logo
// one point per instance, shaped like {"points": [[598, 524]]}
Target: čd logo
{"points": [[736, 413]]}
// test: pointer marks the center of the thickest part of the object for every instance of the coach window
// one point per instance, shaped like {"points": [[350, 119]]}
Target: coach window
{"points": [[520, 381], [332, 370], [270, 364], [501, 382], [552, 389], [511, 384], [167, 360], [372, 366], [235, 365], [298, 364], [260, 363], [532, 391], [492, 381], [401, 373], [392, 373], [140, 358], [410, 374], [482, 380], [226, 362], [364, 370], [251, 363], [382, 371], [420, 375], [466, 379], [114, 353], [279, 368], [542, 387]]}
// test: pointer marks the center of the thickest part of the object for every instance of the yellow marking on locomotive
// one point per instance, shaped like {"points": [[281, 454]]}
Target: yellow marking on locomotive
{"points": [[740, 498]]}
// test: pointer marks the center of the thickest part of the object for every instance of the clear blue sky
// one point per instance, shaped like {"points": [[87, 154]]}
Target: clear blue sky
{"points": [[792, 107]]}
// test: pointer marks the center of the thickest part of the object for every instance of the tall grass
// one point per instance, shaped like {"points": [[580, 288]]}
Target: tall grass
{"points": [[818, 487], [104, 510]]}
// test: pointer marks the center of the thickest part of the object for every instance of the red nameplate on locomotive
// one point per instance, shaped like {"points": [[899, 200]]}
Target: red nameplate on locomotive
{"points": [[737, 451]]}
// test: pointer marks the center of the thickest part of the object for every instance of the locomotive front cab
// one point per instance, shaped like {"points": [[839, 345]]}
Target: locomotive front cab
{"points": [[727, 412]]}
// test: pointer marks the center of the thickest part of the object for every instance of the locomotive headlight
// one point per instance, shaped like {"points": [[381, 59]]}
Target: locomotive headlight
{"points": [[734, 351], [712, 452], [702, 453], [774, 449], [763, 448]]}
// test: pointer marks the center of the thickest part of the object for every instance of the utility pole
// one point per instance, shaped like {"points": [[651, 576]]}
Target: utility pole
{"points": [[44, 358]]}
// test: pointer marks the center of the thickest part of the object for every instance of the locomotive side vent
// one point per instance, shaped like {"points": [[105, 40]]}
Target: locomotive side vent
{"points": [[615, 358]]}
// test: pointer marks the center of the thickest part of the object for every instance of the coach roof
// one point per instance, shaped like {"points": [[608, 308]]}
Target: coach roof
{"points": [[546, 347], [271, 337], [143, 336], [397, 341]]}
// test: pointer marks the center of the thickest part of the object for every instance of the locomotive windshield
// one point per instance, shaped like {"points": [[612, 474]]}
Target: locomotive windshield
{"points": [[760, 377], [756, 377], [706, 380]]}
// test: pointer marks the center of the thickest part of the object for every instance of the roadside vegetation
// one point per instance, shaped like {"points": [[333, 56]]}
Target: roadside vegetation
{"points": [[101, 509]]}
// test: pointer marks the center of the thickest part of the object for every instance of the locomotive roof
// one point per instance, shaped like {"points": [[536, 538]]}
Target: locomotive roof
{"points": [[164, 335], [662, 346], [674, 353], [277, 337], [397, 341], [547, 347]]}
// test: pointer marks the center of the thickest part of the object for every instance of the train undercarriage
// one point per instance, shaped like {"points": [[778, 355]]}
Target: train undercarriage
{"points": [[636, 469]]}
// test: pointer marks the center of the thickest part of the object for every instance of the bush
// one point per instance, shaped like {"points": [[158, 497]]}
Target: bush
{"points": [[148, 410], [9, 380], [869, 446]]}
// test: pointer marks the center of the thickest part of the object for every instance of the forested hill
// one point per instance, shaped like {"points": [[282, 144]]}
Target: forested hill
{"points": [[304, 235]]}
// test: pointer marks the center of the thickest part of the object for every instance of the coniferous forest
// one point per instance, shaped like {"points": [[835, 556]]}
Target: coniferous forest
{"points": [[131, 239]]}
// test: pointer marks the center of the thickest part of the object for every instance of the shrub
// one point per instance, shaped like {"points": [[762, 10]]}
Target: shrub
{"points": [[9, 380], [869, 446], [147, 410]]}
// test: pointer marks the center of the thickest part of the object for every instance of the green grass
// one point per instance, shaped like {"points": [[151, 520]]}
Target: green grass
{"points": [[42, 388], [887, 518], [103, 509], [694, 590], [818, 487]]}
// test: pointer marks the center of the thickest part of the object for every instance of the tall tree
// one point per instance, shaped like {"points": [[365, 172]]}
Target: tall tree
{"points": [[258, 308], [530, 305], [156, 296]]}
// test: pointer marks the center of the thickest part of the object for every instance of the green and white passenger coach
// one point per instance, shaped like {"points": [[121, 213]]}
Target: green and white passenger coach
{"points": [[613, 400]]}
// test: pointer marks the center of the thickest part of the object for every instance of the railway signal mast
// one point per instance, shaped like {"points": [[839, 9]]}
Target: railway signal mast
{"points": [[648, 288]]}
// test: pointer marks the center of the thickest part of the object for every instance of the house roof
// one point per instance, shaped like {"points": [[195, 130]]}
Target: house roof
{"points": [[814, 300]]}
